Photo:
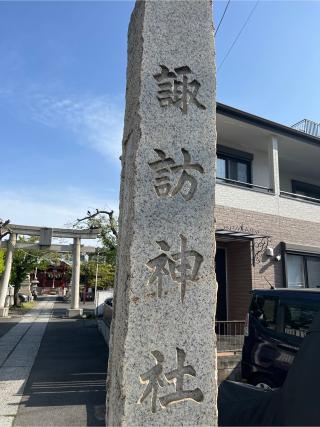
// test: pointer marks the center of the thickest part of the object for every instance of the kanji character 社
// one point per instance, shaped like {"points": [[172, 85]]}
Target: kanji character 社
{"points": [[177, 376], [152, 378]]}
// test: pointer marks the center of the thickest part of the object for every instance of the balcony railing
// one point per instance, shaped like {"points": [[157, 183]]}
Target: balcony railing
{"points": [[229, 335], [299, 197], [308, 126], [245, 185]]}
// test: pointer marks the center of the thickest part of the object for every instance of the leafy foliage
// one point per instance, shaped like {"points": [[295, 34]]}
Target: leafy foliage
{"points": [[25, 261], [2, 263], [108, 225], [106, 274]]}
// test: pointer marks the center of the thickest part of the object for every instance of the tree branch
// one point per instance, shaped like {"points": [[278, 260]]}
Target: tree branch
{"points": [[100, 212], [4, 229]]}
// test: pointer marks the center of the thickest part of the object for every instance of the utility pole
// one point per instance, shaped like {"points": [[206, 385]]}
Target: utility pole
{"points": [[96, 284]]}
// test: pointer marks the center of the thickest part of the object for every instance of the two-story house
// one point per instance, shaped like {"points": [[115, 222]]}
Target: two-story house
{"points": [[267, 207]]}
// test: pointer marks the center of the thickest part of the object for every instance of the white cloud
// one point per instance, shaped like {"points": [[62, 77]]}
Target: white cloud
{"points": [[49, 208], [94, 121]]}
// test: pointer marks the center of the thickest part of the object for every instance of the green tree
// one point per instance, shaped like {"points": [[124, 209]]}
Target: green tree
{"points": [[4, 231], [25, 261], [2, 263], [106, 274], [108, 225]]}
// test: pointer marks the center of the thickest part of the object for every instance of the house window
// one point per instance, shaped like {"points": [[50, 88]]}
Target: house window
{"points": [[313, 269], [296, 276], [303, 271], [305, 189], [233, 164]]}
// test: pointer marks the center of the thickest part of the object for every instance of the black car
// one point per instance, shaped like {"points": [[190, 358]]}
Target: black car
{"points": [[276, 324]]}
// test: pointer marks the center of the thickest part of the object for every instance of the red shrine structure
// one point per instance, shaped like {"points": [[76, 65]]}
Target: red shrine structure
{"points": [[55, 277]]}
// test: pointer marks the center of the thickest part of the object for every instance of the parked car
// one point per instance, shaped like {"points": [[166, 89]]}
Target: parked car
{"points": [[109, 301], [107, 310], [276, 324], [295, 403]]}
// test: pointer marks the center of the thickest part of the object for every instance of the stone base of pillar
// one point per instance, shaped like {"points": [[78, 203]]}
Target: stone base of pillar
{"points": [[75, 312], [4, 312]]}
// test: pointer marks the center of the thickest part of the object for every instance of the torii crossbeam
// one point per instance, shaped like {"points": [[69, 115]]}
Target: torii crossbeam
{"points": [[45, 238]]}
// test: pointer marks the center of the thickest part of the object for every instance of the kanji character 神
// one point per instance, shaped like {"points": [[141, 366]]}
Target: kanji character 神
{"points": [[183, 267], [173, 91], [158, 265], [178, 264]]}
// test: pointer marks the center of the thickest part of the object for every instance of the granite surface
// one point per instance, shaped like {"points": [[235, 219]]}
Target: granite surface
{"points": [[162, 368]]}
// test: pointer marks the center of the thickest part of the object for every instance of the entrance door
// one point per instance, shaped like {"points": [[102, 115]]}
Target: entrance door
{"points": [[222, 284]]}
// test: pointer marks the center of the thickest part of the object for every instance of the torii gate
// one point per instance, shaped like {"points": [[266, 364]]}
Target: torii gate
{"points": [[45, 236]]}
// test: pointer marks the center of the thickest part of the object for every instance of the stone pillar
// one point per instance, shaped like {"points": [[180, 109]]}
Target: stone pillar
{"points": [[6, 275], [162, 365], [75, 310], [25, 286], [273, 148]]}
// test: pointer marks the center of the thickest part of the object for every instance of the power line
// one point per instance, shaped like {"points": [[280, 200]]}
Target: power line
{"points": [[224, 12], [239, 34]]}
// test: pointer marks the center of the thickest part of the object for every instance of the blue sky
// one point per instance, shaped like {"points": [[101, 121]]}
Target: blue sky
{"points": [[62, 88]]}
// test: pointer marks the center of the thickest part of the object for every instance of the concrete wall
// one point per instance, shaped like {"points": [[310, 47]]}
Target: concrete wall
{"points": [[229, 367], [101, 297], [266, 203], [260, 169]]}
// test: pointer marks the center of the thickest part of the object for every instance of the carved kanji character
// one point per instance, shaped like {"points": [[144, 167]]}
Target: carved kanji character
{"points": [[175, 91]]}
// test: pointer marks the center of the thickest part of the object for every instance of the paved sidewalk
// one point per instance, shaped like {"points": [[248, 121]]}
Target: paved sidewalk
{"points": [[67, 383], [7, 323], [18, 350]]}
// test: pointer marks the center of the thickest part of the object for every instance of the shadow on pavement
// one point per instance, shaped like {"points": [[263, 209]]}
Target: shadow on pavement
{"points": [[67, 384], [6, 325]]}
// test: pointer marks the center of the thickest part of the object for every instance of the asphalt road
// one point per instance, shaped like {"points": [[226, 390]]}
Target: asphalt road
{"points": [[66, 386]]}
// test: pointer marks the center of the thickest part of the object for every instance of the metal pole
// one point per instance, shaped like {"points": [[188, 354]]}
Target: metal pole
{"points": [[96, 285], [6, 274]]}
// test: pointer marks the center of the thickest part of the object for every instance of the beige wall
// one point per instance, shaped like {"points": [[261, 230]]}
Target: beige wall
{"points": [[232, 196]]}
